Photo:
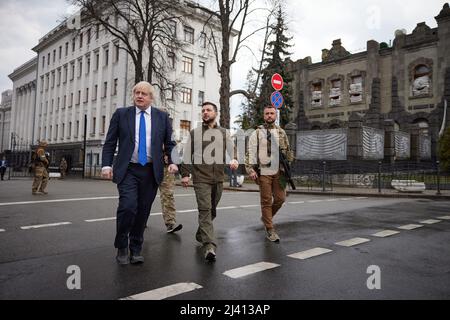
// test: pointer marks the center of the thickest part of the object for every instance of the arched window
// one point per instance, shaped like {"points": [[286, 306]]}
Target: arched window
{"points": [[423, 126], [335, 126], [421, 80]]}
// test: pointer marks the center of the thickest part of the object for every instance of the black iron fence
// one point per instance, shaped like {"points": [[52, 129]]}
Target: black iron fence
{"points": [[322, 175]]}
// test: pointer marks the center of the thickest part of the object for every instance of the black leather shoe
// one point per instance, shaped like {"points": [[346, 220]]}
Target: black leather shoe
{"points": [[136, 258], [122, 256]]}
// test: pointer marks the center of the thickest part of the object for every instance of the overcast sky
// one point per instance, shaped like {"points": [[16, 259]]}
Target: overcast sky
{"points": [[313, 24]]}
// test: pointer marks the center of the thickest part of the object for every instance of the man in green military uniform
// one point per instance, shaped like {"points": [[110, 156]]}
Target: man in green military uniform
{"points": [[40, 164], [263, 166], [205, 160]]}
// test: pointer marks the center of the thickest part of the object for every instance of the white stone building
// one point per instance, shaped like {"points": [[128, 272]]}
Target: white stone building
{"points": [[5, 120], [80, 75]]}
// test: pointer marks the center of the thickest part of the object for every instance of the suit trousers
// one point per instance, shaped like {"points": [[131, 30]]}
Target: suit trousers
{"points": [[137, 191]]}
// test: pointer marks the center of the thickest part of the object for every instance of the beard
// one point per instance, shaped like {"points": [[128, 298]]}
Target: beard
{"points": [[209, 120], [270, 121]]}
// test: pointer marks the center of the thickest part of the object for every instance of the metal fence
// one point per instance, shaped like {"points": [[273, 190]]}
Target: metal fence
{"points": [[324, 176]]}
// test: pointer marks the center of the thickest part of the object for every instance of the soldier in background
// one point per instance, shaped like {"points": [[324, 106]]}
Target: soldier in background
{"points": [[63, 167], [40, 164]]}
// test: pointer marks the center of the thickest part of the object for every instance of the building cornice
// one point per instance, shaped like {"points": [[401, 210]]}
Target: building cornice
{"points": [[27, 67]]}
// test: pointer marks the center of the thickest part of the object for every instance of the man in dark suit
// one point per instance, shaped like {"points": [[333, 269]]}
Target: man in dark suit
{"points": [[144, 134]]}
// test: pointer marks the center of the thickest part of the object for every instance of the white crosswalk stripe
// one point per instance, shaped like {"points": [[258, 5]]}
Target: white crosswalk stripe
{"points": [[430, 221], [385, 233], [410, 226], [352, 242], [45, 225], [165, 292], [309, 253], [250, 269]]}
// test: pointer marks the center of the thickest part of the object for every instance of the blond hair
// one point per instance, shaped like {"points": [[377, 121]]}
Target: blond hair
{"points": [[146, 86]]}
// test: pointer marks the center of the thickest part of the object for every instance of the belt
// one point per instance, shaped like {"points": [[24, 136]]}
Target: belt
{"points": [[148, 164]]}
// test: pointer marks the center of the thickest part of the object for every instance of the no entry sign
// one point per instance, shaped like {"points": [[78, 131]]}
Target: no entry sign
{"points": [[277, 99], [277, 82]]}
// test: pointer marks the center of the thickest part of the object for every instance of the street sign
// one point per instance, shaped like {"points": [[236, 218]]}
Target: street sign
{"points": [[277, 82], [277, 99]]}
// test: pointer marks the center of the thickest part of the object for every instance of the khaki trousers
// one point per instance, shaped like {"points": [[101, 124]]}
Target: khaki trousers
{"points": [[272, 197]]}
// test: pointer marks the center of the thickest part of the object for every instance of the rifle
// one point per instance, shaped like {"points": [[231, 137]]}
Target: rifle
{"points": [[287, 169]]}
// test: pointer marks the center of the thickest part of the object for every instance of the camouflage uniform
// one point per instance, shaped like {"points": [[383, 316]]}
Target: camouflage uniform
{"points": [[271, 180], [63, 168], [40, 170], [166, 189]]}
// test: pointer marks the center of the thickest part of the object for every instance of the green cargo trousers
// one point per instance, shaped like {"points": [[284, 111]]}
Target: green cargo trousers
{"points": [[208, 197]]}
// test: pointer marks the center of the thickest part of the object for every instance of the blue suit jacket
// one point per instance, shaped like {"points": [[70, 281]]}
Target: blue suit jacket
{"points": [[122, 129]]}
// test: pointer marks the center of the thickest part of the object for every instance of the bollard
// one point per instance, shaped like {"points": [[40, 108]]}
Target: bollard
{"points": [[323, 176], [379, 176], [438, 179]]}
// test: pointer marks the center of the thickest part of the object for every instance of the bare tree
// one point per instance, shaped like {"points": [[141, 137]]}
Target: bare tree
{"points": [[231, 16], [146, 30]]}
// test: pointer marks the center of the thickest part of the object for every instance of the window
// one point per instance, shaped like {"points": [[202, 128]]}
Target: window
{"points": [[77, 132], [97, 60], [63, 130], [103, 124], [117, 52], [86, 96], [58, 103], [73, 44], [88, 65], [97, 31], [48, 59], [54, 55], [66, 51], [173, 28], [88, 36], [201, 97], [65, 101], [59, 77], [56, 133], [51, 131], [71, 100], [202, 68], [189, 35], [105, 89], [72, 75], [106, 56], [70, 129], [80, 68], [187, 65], [47, 81], [116, 82], [43, 61], [94, 96], [65, 74], [42, 83], [170, 95], [78, 97], [203, 40], [81, 40], [171, 60], [186, 95], [94, 119], [185, 127], [60, 53], [53, 79], [422, 80]]}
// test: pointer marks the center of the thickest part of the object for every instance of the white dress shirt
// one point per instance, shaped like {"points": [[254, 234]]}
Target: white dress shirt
{"points": [[148, 130]]}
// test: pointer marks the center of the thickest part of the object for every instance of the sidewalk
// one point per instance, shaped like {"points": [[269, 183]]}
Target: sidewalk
{"points": [[345, 191]]}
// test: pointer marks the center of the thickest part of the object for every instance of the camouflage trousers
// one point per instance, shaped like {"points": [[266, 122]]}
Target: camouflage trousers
{"points": [[166, 189], [40, 179]]}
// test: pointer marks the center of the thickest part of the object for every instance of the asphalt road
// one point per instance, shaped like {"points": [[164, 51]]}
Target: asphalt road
{"points": [[42, 236]]}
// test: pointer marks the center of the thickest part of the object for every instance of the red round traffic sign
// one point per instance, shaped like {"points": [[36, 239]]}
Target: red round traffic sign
{"points": [[277, 82]]}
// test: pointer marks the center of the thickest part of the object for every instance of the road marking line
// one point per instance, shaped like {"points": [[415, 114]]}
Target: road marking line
{"points": [[385, 233], [101, 219], [226, 208], [352, 242], [45, 225], [298, 202], [165, 292], [156, 214], [361, 198], [250, 269], [410, 226], [250, 206], [346, 199], [315, 201], [186, 211], [444, 218], [309, 253], [2, 230], [331, 200], [430, 221]]}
